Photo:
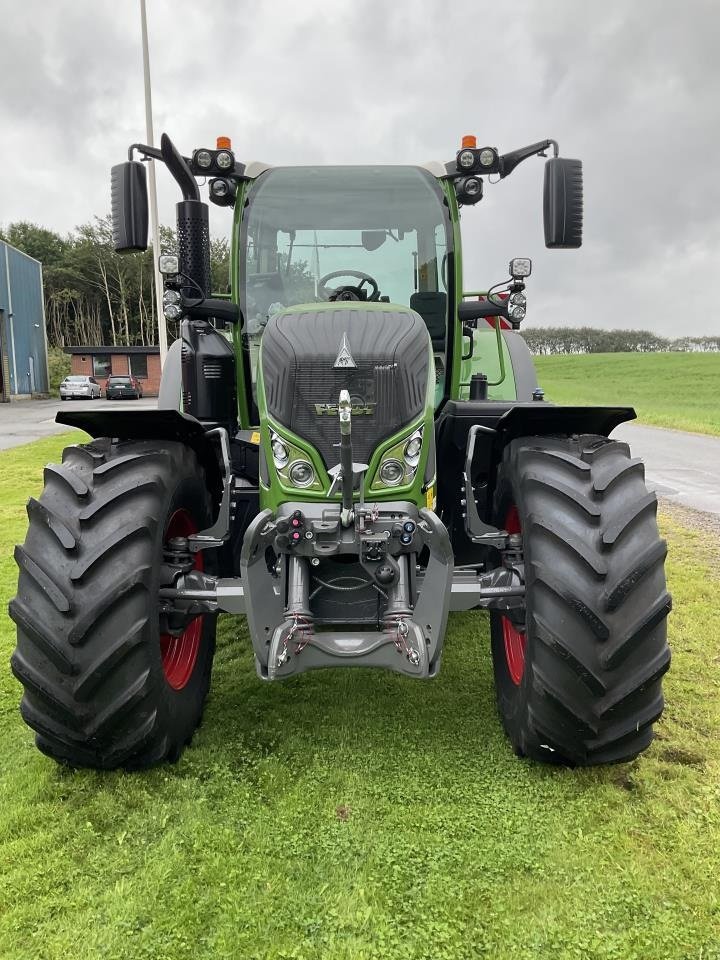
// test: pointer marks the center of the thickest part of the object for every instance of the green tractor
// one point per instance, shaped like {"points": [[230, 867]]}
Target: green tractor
{"points": [[346, 448]]}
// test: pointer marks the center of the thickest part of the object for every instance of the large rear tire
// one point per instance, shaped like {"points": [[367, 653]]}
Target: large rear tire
{"points": [[578, 672], [102, 687]]}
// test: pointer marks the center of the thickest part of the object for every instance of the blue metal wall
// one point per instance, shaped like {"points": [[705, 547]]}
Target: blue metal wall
{"points": [[21, 300]]}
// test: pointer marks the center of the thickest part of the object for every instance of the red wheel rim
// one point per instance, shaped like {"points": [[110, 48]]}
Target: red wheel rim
{"points": [[514, 640], [179, 654]]}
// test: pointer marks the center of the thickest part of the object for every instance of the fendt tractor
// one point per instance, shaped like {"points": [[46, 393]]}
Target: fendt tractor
{"points": [[347, 447]]}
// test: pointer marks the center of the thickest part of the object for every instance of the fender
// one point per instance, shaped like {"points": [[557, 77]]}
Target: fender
{"points": [[149, 425], [499, 423]]}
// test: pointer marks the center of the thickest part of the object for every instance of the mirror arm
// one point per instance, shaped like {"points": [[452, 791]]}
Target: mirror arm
{"points": [[178, 165], [508, 161], [145, 150]]}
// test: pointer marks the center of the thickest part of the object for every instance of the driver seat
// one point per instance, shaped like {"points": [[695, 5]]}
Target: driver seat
{"points": [[432, 307]]}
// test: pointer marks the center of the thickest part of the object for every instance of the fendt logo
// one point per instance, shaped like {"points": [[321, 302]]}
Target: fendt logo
{"points": [[344, 358], [358, 408]]}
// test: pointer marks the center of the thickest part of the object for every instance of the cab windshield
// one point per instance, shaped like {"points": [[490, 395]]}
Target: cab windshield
{"points": [[313, 234]]}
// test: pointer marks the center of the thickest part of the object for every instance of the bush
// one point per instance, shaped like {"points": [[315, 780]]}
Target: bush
{"points": [[547, 341], [58, 368]]}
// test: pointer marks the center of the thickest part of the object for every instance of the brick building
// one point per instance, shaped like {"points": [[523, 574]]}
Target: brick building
{"points": [[103, 362]]}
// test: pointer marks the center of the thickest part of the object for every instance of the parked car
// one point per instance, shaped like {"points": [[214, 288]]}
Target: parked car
{"points": [[78, 385], [128, 388]]}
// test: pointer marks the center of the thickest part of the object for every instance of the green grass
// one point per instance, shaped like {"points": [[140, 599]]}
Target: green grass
{"points": [[359, 815], [677, 390]]}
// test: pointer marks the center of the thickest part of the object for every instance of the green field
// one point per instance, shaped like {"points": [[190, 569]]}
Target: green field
{"points": [[680, 390], [359, 815]]}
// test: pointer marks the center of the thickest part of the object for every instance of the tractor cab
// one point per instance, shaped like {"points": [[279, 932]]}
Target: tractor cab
{"points": [[377, 234]]}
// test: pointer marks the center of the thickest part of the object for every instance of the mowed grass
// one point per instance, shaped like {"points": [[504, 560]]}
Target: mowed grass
{"points": [[362, 815], [679, 390]]}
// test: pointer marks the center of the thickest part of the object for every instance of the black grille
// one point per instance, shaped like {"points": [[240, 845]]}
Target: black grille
{"points": [[391, 350]]}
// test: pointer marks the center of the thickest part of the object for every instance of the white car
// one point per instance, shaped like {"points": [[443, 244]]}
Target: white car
{"points": [[86, 388]]}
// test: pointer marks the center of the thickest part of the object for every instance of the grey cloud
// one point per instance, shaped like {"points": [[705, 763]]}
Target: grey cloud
{"points": [[631, 88]]}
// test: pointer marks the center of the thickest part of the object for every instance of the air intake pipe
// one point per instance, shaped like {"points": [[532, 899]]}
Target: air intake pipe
{"points": [[208, 361]]}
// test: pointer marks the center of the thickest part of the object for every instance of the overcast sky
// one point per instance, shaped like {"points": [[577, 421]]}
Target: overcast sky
{"points": [[632, 87]]}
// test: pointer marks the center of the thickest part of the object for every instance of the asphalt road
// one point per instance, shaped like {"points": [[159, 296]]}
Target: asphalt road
{"points": [[684, 467], [23, 421]]}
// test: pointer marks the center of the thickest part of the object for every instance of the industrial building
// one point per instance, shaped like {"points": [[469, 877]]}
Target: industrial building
{"points": [[23, 340]]}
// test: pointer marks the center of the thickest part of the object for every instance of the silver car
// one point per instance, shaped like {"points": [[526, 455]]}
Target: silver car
{"points": [[86, 388]]}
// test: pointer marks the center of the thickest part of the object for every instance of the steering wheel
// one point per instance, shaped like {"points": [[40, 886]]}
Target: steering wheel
{"points": [[348, 292]]}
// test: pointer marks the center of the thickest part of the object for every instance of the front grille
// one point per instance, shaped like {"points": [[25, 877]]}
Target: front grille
{"points": [[387, 385]]}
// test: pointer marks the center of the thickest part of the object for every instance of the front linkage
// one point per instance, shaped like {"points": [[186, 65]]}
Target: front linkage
{"points": [[382, 539]]}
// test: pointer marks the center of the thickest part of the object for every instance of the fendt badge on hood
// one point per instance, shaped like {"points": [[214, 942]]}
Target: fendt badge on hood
{"points": [[344, 358]]}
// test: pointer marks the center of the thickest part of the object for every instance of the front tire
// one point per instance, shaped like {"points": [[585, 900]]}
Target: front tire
{"points": [[102, 687], [578, 672]]}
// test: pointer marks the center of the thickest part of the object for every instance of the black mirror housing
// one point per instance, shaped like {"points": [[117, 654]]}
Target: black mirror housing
{"points": [[129, 204], [563, 203]]}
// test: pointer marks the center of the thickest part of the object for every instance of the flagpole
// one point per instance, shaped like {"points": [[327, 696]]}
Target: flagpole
{"points": [[150, 137]]}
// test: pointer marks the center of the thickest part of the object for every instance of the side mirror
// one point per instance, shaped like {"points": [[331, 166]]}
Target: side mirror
{"points": [[563, 203], [129, 204]]}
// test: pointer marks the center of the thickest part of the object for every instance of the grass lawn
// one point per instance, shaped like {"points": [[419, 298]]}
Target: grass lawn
{"points": [[360, 815], [680, 390]]}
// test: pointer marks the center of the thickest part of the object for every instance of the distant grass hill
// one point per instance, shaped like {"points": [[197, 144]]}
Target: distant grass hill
{"points": [[677, 390]]}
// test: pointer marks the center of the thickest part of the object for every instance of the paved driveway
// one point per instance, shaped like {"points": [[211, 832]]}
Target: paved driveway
{"points": [[684, 467], [23, 421]]}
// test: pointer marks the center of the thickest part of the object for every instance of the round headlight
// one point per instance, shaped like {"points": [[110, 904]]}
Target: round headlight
{"points": [[302, 474], [412, 449], [472, 186], [280, 452], [203, 158], [392, 472], [517, 313], [171, 296], [487, 158], [518, 300], [224, 160], [219, 188], [466, 159], [171, 311]]}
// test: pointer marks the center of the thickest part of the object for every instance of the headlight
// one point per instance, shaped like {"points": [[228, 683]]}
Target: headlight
{"points": [[171, 296], [517, 313], [411, 451], [280, 452], [203, 158], [224, 160], [301, 474], [487, 157], [466, 160], [172, 311], [518, 300], [392, 472]]}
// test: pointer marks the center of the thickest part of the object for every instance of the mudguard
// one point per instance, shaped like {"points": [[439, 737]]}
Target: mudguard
{"points": [[148, 425]]}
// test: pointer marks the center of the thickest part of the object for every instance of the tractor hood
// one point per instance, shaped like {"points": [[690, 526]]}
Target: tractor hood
{"points": [[380, 353]]}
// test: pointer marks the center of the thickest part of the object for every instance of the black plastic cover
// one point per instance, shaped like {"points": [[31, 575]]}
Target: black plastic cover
{"points": [[129, 205], [390, 351], [563, 203]]}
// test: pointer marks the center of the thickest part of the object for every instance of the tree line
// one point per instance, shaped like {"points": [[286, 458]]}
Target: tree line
{"points": [[546, 341], [94, 296]]}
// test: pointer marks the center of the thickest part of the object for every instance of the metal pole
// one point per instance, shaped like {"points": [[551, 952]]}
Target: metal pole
{"points": [[149, 136]]}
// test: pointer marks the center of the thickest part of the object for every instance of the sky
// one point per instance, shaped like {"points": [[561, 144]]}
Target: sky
{"points": [[631, 88]]}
